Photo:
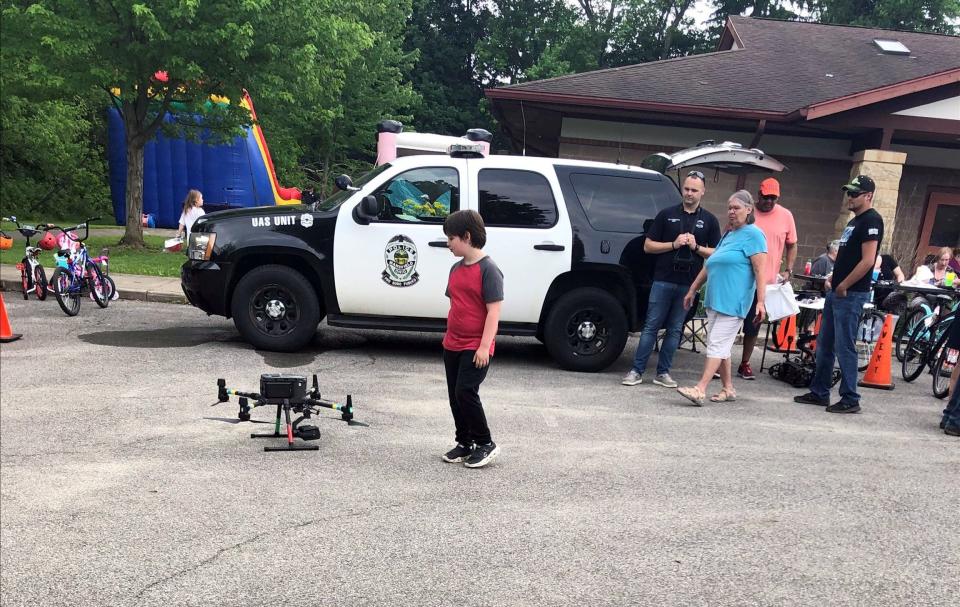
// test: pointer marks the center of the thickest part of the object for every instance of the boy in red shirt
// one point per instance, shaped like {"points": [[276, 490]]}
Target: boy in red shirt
{"points": [[475, 289]]}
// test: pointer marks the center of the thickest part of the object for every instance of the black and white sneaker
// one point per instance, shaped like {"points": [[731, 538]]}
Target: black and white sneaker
{"points": [[458, 454], [482, 455]]}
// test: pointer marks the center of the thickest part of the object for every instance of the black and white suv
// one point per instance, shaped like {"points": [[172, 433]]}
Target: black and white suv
{"points": [[567, 234]]}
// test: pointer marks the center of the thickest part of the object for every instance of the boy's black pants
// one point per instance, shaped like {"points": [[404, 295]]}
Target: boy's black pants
{"points": [[463, 386]]}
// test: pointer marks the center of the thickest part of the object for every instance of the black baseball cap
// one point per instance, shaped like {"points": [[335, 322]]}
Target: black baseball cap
{"points": [[860, 183]]}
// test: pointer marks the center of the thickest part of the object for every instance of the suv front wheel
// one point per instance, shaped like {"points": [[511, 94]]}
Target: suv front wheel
{"points": [[275, 308], [586, 330]]}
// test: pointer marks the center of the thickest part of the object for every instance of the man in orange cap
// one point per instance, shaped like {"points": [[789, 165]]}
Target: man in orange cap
{"points": [[778, 226]]}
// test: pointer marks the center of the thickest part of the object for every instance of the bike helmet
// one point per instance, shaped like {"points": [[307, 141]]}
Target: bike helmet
{"points": [[48, 242]]}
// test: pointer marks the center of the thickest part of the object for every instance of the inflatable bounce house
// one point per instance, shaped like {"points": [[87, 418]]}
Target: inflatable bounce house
{"points": [[238, 174]]}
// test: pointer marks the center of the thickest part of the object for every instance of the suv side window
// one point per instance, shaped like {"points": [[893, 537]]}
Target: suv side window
{"points": [[516, 199], [419, 195], [619, 204]]}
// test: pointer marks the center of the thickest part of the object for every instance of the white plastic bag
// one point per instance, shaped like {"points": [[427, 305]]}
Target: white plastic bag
{"points": [[780, 301]]}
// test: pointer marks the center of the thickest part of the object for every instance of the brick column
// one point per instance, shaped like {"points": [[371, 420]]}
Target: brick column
{"points": [[884, 168]]}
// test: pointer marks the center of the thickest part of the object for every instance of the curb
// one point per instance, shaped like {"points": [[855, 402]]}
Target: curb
{"points": [[133, 295]]}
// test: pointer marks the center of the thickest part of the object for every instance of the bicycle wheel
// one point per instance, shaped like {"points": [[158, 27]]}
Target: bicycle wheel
{"points": [[902, 336], [99, 289], [40, 282], [942, 369], [66, 292], [111, 287], [915, 354], [868, 332]]}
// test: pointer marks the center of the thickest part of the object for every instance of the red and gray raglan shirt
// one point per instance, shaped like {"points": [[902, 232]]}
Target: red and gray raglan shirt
{"points": [[470, 288]]}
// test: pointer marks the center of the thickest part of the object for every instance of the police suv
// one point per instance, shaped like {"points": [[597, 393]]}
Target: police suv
{"points": [[567, 234]]}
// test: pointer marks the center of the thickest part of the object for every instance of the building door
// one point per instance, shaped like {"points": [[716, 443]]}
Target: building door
{"points": [[941, 224]]}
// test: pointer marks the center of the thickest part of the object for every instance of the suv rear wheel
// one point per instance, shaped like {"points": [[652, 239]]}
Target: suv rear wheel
{"points": [[275, 308], [586, 330]]}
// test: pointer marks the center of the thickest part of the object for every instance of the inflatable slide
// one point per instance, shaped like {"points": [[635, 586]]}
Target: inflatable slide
{"points": [[238, 174]]}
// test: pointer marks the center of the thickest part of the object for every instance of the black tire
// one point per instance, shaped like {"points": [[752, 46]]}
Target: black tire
{"points": [[915, 355], [586, 330], [905, 328], [98, 286], [111, 286], [941, 373], [40, 282], [868, 332], [275, 308], [69, 301]]}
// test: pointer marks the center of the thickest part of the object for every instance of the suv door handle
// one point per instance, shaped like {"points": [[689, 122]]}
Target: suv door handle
{"points": [[548, 247], [438, 243]]}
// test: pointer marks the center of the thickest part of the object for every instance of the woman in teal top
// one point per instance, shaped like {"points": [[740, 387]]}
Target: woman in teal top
{"points": [[732, 274]]}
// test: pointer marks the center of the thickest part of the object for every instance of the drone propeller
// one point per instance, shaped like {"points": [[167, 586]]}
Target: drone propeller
{"points": [[234, 420]]}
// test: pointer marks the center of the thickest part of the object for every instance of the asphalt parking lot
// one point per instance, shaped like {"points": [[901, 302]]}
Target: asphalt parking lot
{"points": [[121, 485]]}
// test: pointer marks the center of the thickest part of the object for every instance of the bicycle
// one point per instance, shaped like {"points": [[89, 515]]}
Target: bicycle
{"points": [[926, 341], [868, 332], [32, 275], [77, 273], [922, 313], [943, 369]]}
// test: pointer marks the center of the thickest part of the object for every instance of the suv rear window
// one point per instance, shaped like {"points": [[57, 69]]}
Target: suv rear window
{"points": [[619, 203], [516, 199]]}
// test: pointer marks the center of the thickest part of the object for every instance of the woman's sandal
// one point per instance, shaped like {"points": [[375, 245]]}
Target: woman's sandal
{"points": [[723, 396], [692, 394]]}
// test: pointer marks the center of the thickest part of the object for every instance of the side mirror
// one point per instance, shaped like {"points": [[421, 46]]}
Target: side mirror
{"points": [[343, 182], [366, 211]]}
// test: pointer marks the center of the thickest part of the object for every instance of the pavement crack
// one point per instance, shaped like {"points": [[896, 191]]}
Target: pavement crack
{"points": [[203, 562], [215, 556]]}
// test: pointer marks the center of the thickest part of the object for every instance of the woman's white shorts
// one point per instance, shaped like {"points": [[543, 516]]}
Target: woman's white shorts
{"points": [[721, 333]]}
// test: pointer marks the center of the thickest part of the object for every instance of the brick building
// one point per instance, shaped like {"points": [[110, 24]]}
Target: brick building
{"points": [[828, 101]]}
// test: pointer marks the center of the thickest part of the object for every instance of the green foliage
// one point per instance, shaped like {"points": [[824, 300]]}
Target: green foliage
{"points": [[444, 34], [936, 16]]}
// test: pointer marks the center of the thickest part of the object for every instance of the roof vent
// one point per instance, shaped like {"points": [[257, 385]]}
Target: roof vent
{"points": [[891, 47]]}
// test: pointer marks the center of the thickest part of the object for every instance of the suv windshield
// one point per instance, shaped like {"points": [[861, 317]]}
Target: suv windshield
{"points": [[340, 196]]}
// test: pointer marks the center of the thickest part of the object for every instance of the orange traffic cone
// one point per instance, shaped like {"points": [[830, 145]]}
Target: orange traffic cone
{"points": [[878, 373], [6, 333], [785, 340]]}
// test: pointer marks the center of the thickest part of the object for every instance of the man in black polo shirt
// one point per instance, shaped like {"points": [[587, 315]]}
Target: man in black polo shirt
{"points": [[681, 237], [843, 306]]}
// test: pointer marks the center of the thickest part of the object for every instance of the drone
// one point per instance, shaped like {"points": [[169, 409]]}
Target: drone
{"points": [[289, 394]]}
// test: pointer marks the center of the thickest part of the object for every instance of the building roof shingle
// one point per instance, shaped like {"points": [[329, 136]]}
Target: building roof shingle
{"points": [[783, 67]]}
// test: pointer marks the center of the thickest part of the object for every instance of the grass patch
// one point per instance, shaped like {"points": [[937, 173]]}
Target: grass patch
{"points": [[152, 260]]}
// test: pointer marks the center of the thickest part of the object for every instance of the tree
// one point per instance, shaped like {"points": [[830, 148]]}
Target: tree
{"points": [[446, 76], [205, 48], [936, 16]]}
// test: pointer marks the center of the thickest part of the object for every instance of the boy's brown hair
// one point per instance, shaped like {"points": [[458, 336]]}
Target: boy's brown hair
{"points": [[464, 222]]}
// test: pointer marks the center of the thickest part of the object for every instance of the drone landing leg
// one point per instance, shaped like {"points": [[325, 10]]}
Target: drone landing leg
{"points": [[290, 444], [276, 428]]}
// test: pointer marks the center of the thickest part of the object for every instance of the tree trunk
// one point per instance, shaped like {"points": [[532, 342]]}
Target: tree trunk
{"points": [[133, 235]]}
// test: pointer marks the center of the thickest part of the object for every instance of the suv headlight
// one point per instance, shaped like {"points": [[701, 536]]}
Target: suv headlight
{"points": [[201, 246]]}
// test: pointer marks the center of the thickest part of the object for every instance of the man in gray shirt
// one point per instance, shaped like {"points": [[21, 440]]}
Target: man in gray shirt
{"points": [[824, 264]]}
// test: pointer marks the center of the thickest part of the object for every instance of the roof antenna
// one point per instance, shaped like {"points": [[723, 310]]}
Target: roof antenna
{"points": [[523, 117]]}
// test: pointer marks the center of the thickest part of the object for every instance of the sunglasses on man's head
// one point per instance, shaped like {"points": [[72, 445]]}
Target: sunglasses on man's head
{"points": [[697, 174], [854, 194]]}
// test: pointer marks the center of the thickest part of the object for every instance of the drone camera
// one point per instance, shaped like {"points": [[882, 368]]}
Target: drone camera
{"points": [[277, 387]]}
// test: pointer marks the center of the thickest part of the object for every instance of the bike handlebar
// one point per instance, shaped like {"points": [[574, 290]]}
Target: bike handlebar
{"points": [[85, 224]]}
